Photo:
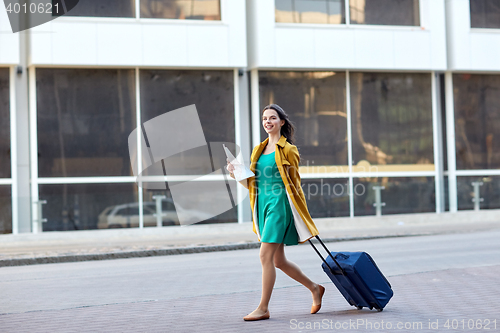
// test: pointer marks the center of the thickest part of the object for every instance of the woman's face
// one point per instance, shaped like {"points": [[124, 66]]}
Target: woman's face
{"points": [[271, 122]]}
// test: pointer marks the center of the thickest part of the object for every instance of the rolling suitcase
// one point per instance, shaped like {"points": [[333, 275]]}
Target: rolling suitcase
{"points": [[357, 277]]}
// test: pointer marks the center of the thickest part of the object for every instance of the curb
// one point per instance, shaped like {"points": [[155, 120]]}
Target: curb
{"points": [[169, 252]]}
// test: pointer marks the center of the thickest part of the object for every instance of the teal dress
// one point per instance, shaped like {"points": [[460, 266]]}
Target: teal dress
{"points": [[275, 218]]}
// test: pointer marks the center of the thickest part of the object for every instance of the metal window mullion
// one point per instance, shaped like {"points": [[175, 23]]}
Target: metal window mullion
{"points": [[255, 112], [450, 142], [238, 139], [478, 172], [138, 9], [349, 142], [139, 145], [33, 121], [436, 133], [13, 151], [347, 13]]}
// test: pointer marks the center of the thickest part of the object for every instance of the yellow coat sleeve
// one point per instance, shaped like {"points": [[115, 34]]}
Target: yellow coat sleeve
{"points": [[293, 170]]}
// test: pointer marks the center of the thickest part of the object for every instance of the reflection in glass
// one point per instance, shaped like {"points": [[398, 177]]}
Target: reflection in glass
{"points": [[4, 124], [385, 12], [198, 206], [5, 210], [307, 11], [485, 14], [84, 119], [316, 104], [181, 9], [489, 191], [392, 121], [477, 121], [327, 197], [401, 195], [100, 8], [211, 91], [89, 206]]}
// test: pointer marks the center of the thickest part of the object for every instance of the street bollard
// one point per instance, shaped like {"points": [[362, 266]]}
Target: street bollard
{"points": [[37, 223], [378, 200], [159, 214], [477, 196]]}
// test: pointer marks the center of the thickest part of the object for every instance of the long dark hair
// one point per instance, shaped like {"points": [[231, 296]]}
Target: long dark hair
{"points": [[288, 128]]}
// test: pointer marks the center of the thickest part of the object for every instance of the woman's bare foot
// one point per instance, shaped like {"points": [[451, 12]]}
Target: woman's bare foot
{"points": [[257, 314], [317, 296]]}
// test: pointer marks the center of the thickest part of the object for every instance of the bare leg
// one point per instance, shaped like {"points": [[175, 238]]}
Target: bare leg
{"points": [[267, 252], [292, 270]]}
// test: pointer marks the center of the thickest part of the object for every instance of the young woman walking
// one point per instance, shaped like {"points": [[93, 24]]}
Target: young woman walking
{"points": [[279, 209]]}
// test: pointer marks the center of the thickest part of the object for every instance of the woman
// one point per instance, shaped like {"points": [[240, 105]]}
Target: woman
{"points": [[279, 210]]}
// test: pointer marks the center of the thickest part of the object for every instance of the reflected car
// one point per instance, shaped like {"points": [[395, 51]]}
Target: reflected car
{"points": [[127, 215]]}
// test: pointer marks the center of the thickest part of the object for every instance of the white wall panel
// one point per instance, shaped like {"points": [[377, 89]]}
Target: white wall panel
{"points": [[208, 45], [484, 51], [164, 44], [119, 44], [42, 44], [334, 46], [9, 42], [237, 35], [87, 41], [73, 43], [348, 46], [297, 54], [470, 49], [414, 52], [374, 48]]}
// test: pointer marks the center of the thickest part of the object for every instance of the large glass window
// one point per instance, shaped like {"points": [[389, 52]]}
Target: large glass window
{"points": [[401, 195], [310, 11], [489, 192], [328, 197], [211, 91], [385, 12], [477, 120], [4, 124], [377, 12], [485, 14], [392, 122], [97, 8], [84, 119], [5, 210], [89, 206], [316, 104], [181, 9]]}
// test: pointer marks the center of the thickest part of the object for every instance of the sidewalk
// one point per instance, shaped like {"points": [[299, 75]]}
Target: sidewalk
{"points": [[423, 302], [52, 247]]}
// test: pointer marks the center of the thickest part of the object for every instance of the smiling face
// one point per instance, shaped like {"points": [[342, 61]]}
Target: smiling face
{"points": [[272, 122]]}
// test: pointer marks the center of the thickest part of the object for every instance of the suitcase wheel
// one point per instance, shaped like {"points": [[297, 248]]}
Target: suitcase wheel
{"points": [[380, 310], [359, 307]]}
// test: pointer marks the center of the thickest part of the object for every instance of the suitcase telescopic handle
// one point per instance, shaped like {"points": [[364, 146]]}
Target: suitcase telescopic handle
{"points": [[329, 254]]}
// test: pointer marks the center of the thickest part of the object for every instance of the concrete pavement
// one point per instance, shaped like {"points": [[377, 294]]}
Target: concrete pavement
{"points": [[441, 283]]}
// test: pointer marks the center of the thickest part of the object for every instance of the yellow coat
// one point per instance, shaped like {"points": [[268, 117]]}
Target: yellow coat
{"points": [[287, 159]]}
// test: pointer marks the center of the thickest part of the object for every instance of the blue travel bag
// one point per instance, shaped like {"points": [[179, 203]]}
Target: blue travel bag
{"points": [[357, 277]]}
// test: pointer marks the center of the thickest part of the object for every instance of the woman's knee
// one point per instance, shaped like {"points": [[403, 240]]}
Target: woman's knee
{"points": [[267, 252]]}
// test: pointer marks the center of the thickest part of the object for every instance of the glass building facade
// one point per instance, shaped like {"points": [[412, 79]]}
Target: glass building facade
{"points": [[371, 140]]}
